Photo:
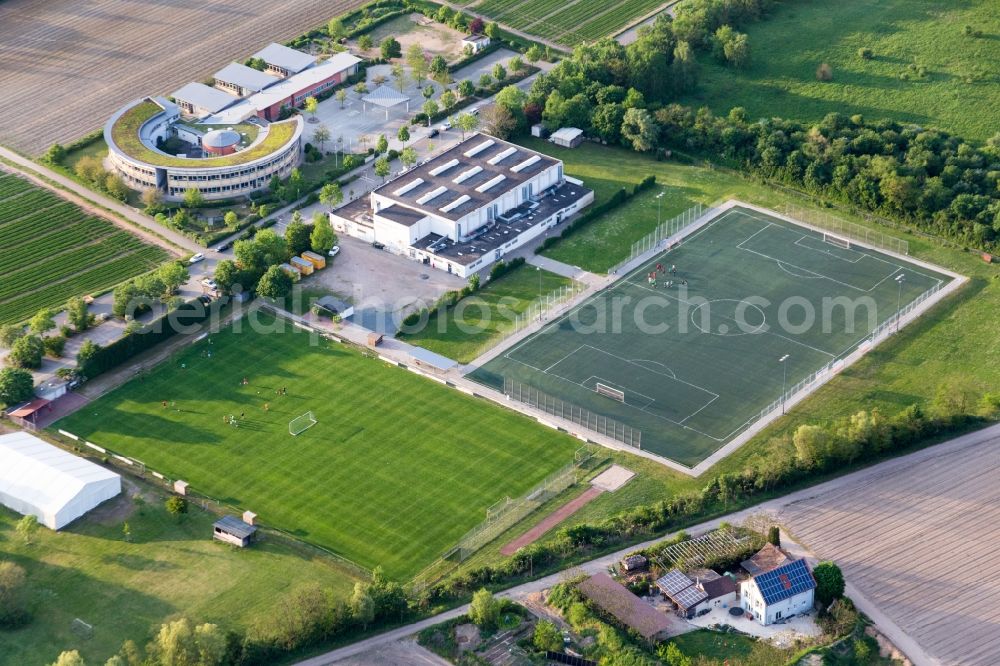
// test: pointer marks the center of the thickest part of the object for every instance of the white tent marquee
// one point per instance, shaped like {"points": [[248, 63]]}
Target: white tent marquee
{"points": [[53, 485]]}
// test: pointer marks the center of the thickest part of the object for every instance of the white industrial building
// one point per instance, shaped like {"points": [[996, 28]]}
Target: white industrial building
{"points": [[779, 587], [55, 486], [468, 206]]}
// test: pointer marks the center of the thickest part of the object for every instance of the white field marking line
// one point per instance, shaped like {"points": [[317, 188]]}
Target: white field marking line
{"points": [[871, 254], [783, 267], [625, 360], [806, 270], [610, 384], [638, 361], [546, 370], [861, 255], [694, 413]]}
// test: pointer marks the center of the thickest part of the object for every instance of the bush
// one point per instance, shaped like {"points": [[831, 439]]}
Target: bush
{"points": [[824, 72], [13, 609], [865, 53], [16, 385], [54, 345], [26, 352]]}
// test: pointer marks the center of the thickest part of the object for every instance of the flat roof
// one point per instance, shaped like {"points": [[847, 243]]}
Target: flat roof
{"points": [[245, 77], [285, 57], [470, 175], [204, 97], [401, 215]]}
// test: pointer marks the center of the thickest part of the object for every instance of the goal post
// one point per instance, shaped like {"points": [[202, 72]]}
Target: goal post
{"points": [[610, 392], [838, 241], [300, 424]]}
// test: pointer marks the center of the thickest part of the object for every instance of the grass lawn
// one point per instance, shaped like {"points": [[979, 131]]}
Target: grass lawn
{"points": [[396, 470], [125, 590], [51, 250], [962, 73], [720, 647], [481, 319]]}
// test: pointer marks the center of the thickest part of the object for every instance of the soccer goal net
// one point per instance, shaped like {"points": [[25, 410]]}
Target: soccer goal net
{"points": [[300, 424], [837, 240], [610, 392]]}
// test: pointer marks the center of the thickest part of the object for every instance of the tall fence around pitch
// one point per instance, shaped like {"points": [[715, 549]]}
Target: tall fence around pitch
{"points": [[847, 230], [506, 513], [597, 423], [665, 231]]}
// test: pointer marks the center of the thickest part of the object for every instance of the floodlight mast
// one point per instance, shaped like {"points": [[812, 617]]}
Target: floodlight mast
{"points": [[784, 377], [658, 198], [900, 279]]}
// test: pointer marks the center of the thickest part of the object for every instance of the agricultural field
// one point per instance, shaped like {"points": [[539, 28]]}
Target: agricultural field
{"points": [[51, 250], [923, 68], [397, 468], [125, 589], [464, 332], [49, 46], [568, 23]]}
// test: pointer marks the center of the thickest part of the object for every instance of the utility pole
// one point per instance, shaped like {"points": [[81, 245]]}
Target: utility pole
{"points": [[784, 378]]}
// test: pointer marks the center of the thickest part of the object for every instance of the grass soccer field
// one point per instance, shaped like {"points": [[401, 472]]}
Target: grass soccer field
{"points": [[690, 365], [51, 250], [397, 468]]}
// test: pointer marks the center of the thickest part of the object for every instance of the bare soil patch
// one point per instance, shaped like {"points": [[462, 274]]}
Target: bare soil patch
{"points": [[434, 38]]}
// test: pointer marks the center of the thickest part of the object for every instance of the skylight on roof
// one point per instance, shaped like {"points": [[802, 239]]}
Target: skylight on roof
{"points": [[433, 194], [467, 174], [534, 159], [491, 183], [437, 171], [501, 156], [416, 182], [478, 148], [455, 204]]}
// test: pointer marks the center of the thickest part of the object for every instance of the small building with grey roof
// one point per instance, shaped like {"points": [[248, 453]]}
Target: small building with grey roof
{"points": [[284, 61], [241, 80], [197, 99], [468, 206]]}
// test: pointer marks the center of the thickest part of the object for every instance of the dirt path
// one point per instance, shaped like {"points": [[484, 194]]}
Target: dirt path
{"points": [[551, 520]]}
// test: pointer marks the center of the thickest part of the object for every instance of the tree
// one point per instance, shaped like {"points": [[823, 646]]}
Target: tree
{"points": [[335, 28], [178, 644], [492, 30], [499, 121], [322, 133], [88, 350], [390, 48], [399, 76], [115, 186], [69, 658], [256, 63], [737, 51], [295, 182], [533, 54], [13, 611], [230, 219], [310, 105], [476, 26], [362, 605], [382, 168], [429, 108], [176, 506], [427, 92], [297, 236], [26, 352], [365, 42], [54, 345], [499, 72], [152, 199], [226, 275], [361, 88], [408, 156], [9, 333], [127, 532], [42, 321], [331, 195], [439, 65], [173, 274], [515, 64], [403, 134], [417, 62], [382, 145], [606, 121], [89, 168], [16, 386], [193, 198], [485, 81], [547, 637], [639, 130], [466, 122], [466, 88], [55, 154], [322, 237], [26, 528], [774, 535], [447, 99], [275, 283], [829, 582], [484, 610]]}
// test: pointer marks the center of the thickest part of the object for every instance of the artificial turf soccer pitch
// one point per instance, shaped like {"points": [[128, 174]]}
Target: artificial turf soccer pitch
{"points": [[396, 470], [698, 362]]}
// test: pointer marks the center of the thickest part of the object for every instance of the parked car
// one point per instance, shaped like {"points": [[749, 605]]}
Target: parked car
{"points": [[334, 251], [474, 110], [205, 299], [445, 126], [225, 246], [433, 133], [378, 246], [209, 282], [195, 258]]}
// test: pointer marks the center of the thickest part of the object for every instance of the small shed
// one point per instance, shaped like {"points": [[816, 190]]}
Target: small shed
{"points": [[291, 271], [233, 530], [336, 306], [538, 130], [317, 260], [374, 339], [567, 137], [302, 266], [26, 415], [476, 42], [634, 563]]}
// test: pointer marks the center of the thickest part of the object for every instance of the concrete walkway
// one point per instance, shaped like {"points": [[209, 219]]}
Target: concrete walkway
{"points": [[895, 466], [559, 268]]}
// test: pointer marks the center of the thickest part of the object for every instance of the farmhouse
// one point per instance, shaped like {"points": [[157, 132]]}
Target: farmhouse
{"points": [[468, 206], [39, 479], [778, 588]]}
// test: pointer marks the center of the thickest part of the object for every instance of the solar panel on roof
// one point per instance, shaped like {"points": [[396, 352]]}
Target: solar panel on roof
{"points": [[690, 597], [785, 581], [673, 582]]}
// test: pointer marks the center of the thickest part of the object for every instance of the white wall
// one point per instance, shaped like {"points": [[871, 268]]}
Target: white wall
{"points": [[751, 600]]}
